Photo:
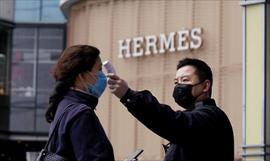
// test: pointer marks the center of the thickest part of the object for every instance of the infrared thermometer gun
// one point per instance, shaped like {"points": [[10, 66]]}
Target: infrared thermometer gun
{"points": [[109, 67], [135, 155]]}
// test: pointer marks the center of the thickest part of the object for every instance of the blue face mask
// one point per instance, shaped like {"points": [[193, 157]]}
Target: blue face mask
{"points": [[98, 88]]}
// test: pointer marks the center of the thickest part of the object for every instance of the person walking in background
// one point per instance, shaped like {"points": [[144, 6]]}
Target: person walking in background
{"points": [[80, 83], [202, 132]]}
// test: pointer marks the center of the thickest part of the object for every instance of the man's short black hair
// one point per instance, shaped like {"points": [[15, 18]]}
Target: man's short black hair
{"points": [[203, 71]]}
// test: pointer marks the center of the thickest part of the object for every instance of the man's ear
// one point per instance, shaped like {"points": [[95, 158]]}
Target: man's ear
{"points": [[207, 85]]}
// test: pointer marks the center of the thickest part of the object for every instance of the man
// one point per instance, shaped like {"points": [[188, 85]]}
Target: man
{"points": [[200, 133]]}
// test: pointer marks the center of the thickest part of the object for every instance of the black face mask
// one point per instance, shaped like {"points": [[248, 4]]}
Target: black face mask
{"points": [[182, 95]]}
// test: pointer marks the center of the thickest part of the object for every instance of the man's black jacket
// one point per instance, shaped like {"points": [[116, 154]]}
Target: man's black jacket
{"points": [[201, 134]]}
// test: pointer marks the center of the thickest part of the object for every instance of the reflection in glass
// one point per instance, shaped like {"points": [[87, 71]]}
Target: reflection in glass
{"points": [[24, 39], [51, 11], [21, 120], [27, 10], [50, 47], [35, 52], [38, 11]]}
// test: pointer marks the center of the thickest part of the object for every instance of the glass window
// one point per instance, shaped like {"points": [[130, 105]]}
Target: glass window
{"points": [[50, 47], [41, 124], [23, 64], [38, 11], [51, 11], [21, 120], [27, 10], [50, 40], [34, 54]]}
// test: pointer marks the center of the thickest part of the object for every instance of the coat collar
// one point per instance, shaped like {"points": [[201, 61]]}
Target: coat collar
{"points": [[207, 102], [81, 97]]}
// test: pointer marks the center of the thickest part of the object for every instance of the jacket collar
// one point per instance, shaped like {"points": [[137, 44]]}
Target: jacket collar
{"points": [[207, 102], [81, 97]]}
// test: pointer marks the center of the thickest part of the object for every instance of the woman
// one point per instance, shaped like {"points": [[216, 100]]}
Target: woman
{"points": [[80, 82]]}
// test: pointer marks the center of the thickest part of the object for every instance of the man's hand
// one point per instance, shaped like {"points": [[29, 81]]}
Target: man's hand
{"points": [[117, 85]]}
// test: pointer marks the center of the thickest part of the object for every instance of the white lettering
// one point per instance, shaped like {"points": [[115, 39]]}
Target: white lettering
{"points": [[168, 43], [196, 39], [182, 40], [124, 48], [151, 42], [137, 46]]}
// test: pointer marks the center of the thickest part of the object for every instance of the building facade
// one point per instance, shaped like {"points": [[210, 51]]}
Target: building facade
{"points": [[38, 39], [32, 36], [144, 39]]}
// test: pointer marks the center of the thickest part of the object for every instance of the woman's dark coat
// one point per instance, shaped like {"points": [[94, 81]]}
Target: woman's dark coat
{"points": [[80, 136]]}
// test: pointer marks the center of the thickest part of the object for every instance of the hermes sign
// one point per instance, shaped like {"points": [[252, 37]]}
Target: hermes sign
{"points": [[152, 44]]}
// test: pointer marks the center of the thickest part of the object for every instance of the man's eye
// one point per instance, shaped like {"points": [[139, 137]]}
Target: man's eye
{"points": [[185, 80]]}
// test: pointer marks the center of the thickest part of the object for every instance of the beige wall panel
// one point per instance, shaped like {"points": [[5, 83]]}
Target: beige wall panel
{"points": [[154, 66], [71, 27], [99, 30], [178, 16], [207, 16], [232, 101], [103, 111], [147, 140], [171, 61], [216, 87], [123, 129], [151, 14], [231, 33], [151, 143], [124, 126], [231, 65], [79, 25], [125, 18]]}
